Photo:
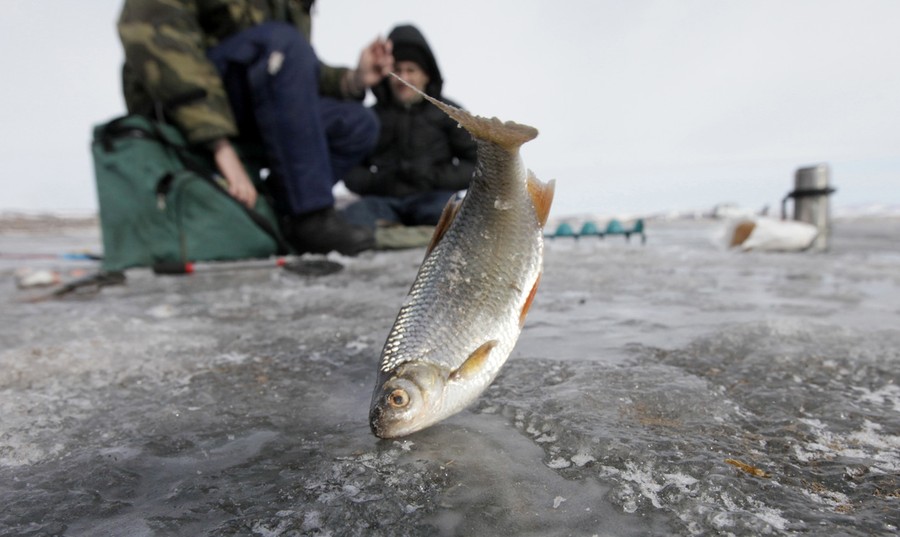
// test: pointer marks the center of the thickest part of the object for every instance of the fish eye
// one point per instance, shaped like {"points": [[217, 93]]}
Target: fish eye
{"points": [[398, 398]]}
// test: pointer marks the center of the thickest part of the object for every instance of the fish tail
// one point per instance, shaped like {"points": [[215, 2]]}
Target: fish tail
{"points": [[508, 135]]}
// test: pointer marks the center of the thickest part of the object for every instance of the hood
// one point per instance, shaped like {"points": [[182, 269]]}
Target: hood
{"points": [[407, 35]]}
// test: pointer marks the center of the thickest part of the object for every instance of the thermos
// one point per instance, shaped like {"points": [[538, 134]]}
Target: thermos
{"points": [[811, 201]]}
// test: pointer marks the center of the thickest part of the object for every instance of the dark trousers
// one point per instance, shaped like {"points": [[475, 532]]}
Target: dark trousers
{"points": [[414, 210], [271, 75]]}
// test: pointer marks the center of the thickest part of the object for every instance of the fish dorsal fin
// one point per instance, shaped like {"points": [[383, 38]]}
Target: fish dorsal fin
{"points": [[474, 363], [447, 217], [541, 196], [509, 135]]}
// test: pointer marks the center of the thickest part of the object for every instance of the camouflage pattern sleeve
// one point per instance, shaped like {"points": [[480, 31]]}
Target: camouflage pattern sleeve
{"points": [[166, 61], [339, 82]]}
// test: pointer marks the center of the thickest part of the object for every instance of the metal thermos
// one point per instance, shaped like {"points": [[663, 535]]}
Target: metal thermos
{"points": [[811, 202]]}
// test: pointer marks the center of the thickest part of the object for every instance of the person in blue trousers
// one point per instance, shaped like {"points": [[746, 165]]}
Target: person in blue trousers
{"points": [[228, 71]]}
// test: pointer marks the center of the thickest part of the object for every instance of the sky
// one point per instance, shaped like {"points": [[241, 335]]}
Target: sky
{"points": [[643, 106]]}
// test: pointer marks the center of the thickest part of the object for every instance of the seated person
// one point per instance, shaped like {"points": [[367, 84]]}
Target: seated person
{"points": [[242, 70], [422, 158]]}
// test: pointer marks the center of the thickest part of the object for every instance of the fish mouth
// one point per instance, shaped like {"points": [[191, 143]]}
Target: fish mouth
{"points": [[385, 429], [386, 424], [375, 416], [422, 385]]}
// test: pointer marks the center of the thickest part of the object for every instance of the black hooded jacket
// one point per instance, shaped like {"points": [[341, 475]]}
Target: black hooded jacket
{"points": [[419, 149]]}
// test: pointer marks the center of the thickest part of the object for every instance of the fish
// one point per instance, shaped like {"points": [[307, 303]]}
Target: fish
{"points": [[468, 303]]}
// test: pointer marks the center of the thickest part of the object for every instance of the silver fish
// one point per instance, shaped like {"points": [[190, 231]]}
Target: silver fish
{"points": [[467, 306]]}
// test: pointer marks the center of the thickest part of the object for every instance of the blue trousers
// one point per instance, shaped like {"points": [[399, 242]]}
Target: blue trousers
{"points": [[271, 75], [422, 209]]}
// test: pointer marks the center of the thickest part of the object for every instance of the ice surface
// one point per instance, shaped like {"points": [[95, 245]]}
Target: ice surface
{"points": [[235, 402]]}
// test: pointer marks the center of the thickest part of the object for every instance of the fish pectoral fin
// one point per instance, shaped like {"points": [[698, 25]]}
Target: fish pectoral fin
{"points": [[528, 301], [541, 196], [475, 362], [443, 224]]}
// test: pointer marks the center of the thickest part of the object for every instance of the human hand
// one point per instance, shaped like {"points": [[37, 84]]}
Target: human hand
{"points": [[229, 164], [375, 62]]}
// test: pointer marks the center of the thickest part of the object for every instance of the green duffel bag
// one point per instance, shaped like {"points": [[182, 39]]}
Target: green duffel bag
{"points": [[163, 206]]}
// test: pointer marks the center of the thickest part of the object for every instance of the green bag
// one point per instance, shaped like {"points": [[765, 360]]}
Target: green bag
{"points": [[162, 206]]}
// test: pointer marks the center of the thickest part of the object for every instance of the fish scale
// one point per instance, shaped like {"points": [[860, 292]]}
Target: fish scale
{"points": [[464, 312]]}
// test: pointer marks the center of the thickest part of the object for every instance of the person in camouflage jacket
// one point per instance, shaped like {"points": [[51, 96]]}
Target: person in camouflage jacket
{"points": [[223, 70]]}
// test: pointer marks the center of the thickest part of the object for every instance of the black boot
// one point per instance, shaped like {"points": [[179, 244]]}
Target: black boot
{"points": [[325, 230]]}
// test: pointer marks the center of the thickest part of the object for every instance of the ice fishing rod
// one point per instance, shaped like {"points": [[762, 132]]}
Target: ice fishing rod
{"points": [[94, 282], [66, 256], [305, 267]]}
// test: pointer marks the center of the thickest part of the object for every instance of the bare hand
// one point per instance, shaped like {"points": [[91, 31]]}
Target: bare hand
{"points": [[239, 184], [375, 62]]}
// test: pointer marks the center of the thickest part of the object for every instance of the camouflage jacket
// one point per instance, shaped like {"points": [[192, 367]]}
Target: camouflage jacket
{"points": [[165, 45]]}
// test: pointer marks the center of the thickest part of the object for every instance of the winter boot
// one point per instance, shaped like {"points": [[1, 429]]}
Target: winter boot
{"points": [[325, 230]]}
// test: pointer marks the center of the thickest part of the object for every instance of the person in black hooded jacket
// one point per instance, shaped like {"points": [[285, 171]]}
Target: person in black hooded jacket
{"points": [[422, 158]]}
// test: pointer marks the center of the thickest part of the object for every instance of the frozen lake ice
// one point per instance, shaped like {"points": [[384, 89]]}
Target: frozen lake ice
{"points": [[674, 388]]}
